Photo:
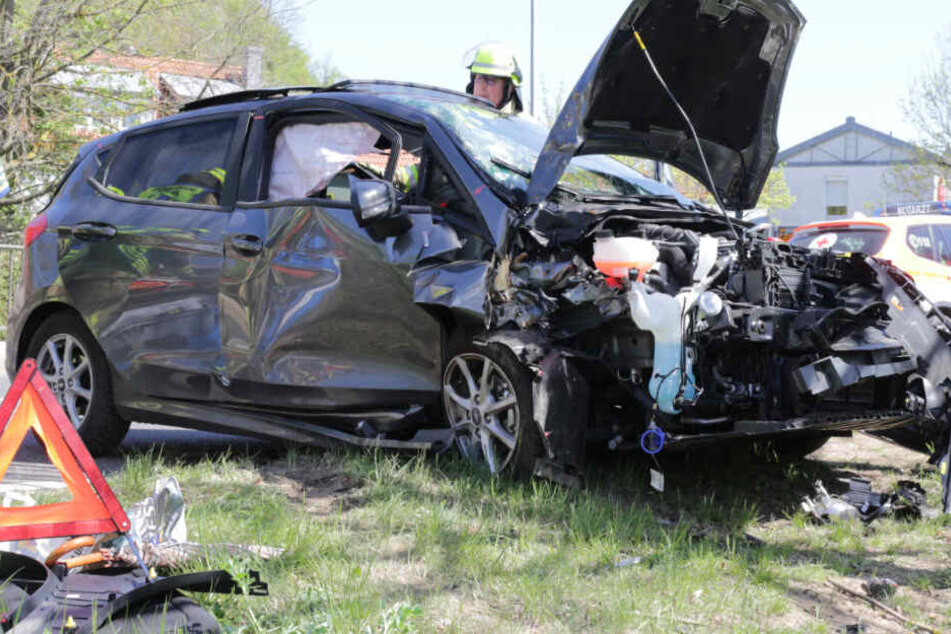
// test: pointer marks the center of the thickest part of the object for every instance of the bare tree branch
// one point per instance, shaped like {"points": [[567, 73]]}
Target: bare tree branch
{"points": [[928, 109], [56, 91]]}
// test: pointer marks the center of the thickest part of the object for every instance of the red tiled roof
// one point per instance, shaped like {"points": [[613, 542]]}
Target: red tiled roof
{"points": [[153, 66]]}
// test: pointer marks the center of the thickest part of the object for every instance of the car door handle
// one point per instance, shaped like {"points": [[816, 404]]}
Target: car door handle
{"points": [[247, 244], [93, 231]]}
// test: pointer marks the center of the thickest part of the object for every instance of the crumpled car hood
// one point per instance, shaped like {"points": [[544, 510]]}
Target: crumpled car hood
{"points": [[726, 62]]}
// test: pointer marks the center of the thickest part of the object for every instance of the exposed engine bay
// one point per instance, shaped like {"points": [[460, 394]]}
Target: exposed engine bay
{"points": [[680, 326]]}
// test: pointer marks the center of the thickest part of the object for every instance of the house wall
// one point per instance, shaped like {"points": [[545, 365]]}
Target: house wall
{"points": [[852, 162], [867, 191], [851, 147]]}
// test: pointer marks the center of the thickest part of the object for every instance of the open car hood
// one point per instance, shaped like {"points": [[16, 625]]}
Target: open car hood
{"points": [[726, 62]]}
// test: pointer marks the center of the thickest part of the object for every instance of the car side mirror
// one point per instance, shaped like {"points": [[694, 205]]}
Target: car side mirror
{"points": [[376, 208]]}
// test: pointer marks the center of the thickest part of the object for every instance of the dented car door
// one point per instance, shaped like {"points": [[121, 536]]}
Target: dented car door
{"points": [[142, 253], [317, 312]]}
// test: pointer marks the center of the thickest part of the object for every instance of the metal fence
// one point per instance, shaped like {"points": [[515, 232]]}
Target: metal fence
{"points": [[11, 260]]}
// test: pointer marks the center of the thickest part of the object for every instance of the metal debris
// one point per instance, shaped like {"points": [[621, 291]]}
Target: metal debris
{"points": [[159, 532], [825, 507], [908, 501], [624, 561]]}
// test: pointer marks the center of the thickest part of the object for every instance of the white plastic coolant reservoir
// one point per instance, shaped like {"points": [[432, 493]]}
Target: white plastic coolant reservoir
{"points": [[663, 315], [615, 257]]}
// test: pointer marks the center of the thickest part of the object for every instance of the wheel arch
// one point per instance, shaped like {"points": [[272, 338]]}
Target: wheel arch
{"points": [[458, 325], [39, 315]]}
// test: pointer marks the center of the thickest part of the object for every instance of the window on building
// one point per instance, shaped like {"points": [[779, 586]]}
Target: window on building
{"points": [[919, 241], [183, 163], [837, 196]]}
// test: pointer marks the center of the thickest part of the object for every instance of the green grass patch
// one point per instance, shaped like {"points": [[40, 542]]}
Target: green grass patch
{"points": [[378, 542]]}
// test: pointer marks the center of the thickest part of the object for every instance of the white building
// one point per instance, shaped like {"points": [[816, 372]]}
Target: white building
{"points": [[843, 171]]}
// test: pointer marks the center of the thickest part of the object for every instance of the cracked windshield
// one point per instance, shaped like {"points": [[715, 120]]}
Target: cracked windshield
{"points": [[506, 148]]}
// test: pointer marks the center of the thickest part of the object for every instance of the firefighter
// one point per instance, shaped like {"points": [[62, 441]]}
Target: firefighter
{"points": [[494, 75], [202, 188]]}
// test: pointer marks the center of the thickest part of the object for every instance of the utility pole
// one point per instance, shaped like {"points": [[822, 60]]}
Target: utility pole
{"points": [[531, 72]]}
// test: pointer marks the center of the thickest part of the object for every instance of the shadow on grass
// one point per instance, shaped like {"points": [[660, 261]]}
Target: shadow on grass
{"points": [[191, 453], [712, 498], [714, 492]]}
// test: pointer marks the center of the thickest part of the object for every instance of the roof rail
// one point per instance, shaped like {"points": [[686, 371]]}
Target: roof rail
{"points": [[256, 94], [270, 93], [356, 83]]}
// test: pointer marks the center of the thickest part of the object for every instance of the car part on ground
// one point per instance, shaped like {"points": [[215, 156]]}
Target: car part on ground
{"points": [[860, 502], [159, 533]]}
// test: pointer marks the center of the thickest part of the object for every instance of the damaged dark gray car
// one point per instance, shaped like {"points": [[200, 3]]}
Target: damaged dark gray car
{"points": [[371, 262]]}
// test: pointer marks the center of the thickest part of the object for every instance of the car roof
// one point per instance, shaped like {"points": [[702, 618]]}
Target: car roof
{"points": [[358, 92], [372, 87]]}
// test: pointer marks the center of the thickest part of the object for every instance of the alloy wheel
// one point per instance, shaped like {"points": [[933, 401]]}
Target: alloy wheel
{"points": [[64, 364], [482, 408]]}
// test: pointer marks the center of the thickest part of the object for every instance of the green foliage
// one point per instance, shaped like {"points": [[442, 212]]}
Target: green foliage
{"points": [[219, 32], [775, 196], [55, 95], [928, 108]]}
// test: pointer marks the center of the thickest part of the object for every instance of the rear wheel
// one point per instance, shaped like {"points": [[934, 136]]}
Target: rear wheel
{"points": [[487, 401], [71, 362]]}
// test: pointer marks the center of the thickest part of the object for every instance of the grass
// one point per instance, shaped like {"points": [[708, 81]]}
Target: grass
{"points": [[381, 542]]}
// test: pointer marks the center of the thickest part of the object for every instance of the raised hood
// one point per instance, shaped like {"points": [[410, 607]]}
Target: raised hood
{"points": [[725, 61]]}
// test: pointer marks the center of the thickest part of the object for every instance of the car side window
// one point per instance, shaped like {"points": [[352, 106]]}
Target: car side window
{"points": [[919, 241], [447, 199], [182, 163], [942, 234], [315, 160], [102, 162]]}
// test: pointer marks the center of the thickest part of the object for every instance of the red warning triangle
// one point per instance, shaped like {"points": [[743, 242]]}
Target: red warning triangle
{"points": [[30, 405]]}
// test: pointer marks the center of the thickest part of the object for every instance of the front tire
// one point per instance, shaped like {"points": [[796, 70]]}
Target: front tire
{"points": [[74, 366], [487, 401]]}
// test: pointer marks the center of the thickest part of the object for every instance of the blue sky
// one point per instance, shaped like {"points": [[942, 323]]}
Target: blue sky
{"points": [[855, 57]]}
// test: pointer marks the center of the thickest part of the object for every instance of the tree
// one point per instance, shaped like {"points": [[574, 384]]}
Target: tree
{"points": [[39, 40], [551, 103], [219, 32], [775, 196], [928, 108], [50, 92]]}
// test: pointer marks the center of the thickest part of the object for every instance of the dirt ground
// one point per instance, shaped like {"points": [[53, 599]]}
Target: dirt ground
{"points": [[883, 463], [916, 555]]}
